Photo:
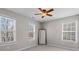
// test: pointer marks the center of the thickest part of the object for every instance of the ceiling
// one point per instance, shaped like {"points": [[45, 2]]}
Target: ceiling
{"points": [[58, 13]]}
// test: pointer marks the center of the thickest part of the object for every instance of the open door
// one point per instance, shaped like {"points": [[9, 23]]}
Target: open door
{"points": [[42, 37]]}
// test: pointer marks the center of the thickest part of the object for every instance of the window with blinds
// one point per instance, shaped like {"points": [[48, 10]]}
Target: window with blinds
{"points": [[7, 29], [69, 31]]}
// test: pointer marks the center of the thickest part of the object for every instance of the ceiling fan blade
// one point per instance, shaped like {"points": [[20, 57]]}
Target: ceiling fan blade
{"points": [[40, 9], [38, 14], [42, 17], [49, 15], [50, 10]]}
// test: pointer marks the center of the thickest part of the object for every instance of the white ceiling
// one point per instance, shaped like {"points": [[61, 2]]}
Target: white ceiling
{"points": [[58, 13]]}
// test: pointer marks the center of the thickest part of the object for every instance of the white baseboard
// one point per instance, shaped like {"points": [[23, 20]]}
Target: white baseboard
{"points": [[26, 47], [64, 47]]}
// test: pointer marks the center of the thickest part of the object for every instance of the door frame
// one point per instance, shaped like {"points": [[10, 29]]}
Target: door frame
{"points": [[45, 37]]}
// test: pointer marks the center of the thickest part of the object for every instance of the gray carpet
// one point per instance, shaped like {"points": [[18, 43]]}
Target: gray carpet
{"points": [[45, 48]]}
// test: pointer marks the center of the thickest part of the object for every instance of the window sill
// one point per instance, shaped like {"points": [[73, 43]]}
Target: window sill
{"points": [[8, 43], [70, 41], [30, 39]]}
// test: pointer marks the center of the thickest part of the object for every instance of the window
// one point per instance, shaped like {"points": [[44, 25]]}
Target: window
{"points": [[7, 29], [69, 31], [31, 31]]}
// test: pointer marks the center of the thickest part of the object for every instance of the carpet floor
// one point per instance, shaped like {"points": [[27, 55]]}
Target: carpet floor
{"points": [[45, 48]]}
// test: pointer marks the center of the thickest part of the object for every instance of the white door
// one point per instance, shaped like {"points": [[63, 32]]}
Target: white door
{"points": [[42, 37]]}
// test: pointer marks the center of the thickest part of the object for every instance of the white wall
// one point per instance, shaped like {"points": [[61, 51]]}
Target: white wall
{"points": [[54, 33], [21, 31]]}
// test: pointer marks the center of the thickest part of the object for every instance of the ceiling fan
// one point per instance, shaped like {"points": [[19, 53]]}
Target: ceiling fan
{"points": [[45, 12]]}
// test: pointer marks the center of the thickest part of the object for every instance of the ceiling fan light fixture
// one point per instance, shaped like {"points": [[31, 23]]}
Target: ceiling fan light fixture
{"points": [[45, 12]]}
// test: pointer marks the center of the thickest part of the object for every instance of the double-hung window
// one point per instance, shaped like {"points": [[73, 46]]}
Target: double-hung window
{"points": [[7, 29], [31, 31], [69, 31]]}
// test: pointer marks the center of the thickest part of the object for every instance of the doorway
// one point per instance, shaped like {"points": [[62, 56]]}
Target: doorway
{"points": [[42, 38]]}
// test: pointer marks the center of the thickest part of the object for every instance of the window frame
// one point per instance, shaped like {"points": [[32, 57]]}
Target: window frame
{"points": [[34, 30], [70, 31], [13, 31]]}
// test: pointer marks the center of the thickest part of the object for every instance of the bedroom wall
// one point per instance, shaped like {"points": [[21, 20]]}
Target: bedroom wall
{"points": [[22, 26], [54, 33]]}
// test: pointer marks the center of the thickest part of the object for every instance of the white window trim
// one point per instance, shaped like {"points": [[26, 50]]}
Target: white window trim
{"points": [[76, 22], [34, 31], [12, 42]]}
